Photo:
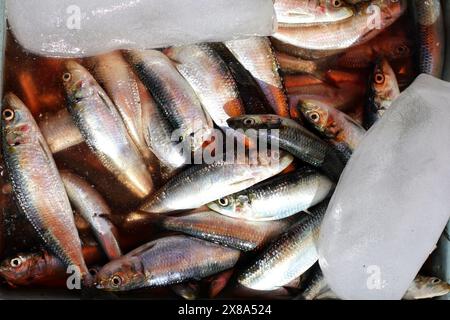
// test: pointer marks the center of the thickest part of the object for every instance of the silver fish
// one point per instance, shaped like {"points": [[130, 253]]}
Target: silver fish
{"points": [[288, 257], [211, 226], [37, 186], [201, 184], [257, 56], [164, 262], [211, 80], [121, 84], [344, 34], [174, 96], [103, 130], [93, 208], [276, 198]]}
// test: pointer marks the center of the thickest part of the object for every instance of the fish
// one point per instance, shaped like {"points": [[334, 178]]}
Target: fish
{"points": [[37, 186], [311, 12], [166, 261], [426, 288], [158, 136], [257, 56], [393, 47], [250, 92], [276, 198], [226, 231], [91, 205], [383, 91], [341, 35], [288, 257], [315, 286], [120, 83], [203, 183], [293, 138], [211, 80], [60, 132], [429, 20], [333, 124], [41, 268], [173, 94], [103, 130]]}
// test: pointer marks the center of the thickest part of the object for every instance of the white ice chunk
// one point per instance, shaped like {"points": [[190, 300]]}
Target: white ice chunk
{"points": [[393, 200], [74, 28]]}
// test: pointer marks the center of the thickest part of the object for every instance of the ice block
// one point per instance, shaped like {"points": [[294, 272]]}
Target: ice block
{"points": [[393, 200], [76, 28]]}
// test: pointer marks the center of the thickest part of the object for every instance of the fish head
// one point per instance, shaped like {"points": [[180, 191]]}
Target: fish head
{"points": [[318, 115], [338, 9], [396, 47], [78, 82], [17, 122], [427, 287], [122, 274], [384, 82], [235, 205], [18, 270]]}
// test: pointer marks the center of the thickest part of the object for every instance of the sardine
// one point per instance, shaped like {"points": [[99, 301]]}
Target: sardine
{"points": [[238, 234], [383, 91], [158, 136], [201, 184], [118, 80], [347, 33], [250, 92], [293, 138], [211, 80], [37, 186], [91, 205], [429, 18], [276, 198], [311, 12], [164, 262], [333, 124], [257, 56], [103, 130], [41, 268], [289, 256], [174, 96]]}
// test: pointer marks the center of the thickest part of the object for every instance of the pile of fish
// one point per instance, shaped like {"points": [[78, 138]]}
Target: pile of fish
{"points": [[223, 228]]}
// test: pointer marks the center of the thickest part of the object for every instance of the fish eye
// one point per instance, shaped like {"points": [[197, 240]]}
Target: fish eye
{"points": [[224, 202], [180, 139], [8, 114], [435, 281], [249, 121], [67, 77], [315, 117], [116, 281], [402, 49], [337, 3], [379, 78], [16, 262], [93, 272]]}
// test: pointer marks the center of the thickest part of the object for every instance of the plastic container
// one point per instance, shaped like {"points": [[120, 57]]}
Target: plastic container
{"points": [[440, 265]]}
